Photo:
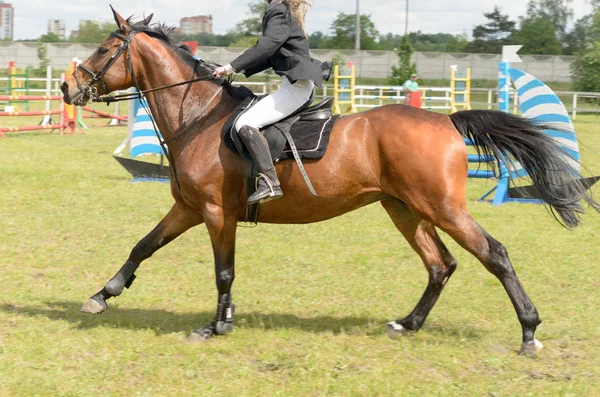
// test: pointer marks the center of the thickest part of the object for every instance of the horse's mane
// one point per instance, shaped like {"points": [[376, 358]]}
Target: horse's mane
{"points": [[201, 67], [165, 34]]}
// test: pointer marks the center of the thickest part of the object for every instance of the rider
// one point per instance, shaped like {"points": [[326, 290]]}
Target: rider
{"points": [[284, 47]]}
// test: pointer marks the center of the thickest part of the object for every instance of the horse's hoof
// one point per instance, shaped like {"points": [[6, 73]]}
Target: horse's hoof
{"points": [[531, 349], [201, 334], [92, 306], [395, 330], [223, 328]]}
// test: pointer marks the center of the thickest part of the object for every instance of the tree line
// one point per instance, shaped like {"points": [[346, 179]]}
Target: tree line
{"points": [[543, 30], [547, 28]]}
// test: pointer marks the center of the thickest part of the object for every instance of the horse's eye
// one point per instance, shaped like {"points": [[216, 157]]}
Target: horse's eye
{"points": [[103, 50]]}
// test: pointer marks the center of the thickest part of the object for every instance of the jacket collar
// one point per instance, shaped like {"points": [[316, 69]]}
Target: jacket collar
{"points": [[274, 3]]}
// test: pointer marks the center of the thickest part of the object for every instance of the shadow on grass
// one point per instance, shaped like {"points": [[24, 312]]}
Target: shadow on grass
{"points": [[166, 322], [118, 178]]}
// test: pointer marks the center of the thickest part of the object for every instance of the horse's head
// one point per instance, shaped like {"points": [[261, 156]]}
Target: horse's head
{"points": [[107, 69]]}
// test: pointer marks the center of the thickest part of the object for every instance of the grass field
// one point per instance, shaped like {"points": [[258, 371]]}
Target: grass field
{"points": [[310, 317]]}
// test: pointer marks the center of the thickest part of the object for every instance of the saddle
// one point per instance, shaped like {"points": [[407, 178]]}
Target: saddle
{"points": [[307, 127], [302, 135]]}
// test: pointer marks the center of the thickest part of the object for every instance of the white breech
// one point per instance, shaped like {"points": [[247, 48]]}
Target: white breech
{"points": [[277, 106]]}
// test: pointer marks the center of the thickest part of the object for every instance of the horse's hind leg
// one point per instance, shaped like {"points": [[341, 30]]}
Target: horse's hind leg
{"points": [[464, 230], [440, 264], [178, 220]]}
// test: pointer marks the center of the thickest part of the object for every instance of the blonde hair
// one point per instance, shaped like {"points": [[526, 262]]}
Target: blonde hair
{"points": [[298, 9]]}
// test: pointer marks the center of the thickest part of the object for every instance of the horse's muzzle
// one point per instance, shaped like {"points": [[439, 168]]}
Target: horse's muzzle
{"points": [[79, 98], [64, 87]]}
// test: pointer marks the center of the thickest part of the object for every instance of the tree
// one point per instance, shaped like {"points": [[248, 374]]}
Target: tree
{"points": [[576, 39], [252, 26], [429, 42], [490, 38], [402, 72], [224, 40], [458, 43], [557, 11], [586, 67], [94, 33], [538, 36], [42, 53], [49, 38], [316, 40], [443, 42], [344, 32], [209, 39], [390, 42], [244, 42]]}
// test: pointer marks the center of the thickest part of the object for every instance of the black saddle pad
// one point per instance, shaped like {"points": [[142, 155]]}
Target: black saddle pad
{"points": [[311, 137]]}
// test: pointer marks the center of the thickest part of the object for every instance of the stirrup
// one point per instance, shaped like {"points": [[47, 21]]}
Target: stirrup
{"points": [[274, 192]]}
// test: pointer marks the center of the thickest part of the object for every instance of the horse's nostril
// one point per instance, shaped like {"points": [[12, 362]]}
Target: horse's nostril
{"points": [[64, 87]]}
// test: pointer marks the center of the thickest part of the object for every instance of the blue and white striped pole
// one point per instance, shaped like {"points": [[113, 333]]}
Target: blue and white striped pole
{"points": [[509, 54], [504, 86]]}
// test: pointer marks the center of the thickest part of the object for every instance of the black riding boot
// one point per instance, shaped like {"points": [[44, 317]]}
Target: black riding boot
{"points": [[267, 187]]}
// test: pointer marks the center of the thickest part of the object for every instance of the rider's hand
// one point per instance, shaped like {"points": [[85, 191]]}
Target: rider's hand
{"points": [[223, 71]]}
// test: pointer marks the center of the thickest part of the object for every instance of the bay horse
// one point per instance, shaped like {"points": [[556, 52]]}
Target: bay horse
{"points": [[412, 161]]}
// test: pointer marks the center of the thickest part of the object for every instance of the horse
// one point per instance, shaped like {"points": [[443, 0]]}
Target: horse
{"points": [[412, 161]]}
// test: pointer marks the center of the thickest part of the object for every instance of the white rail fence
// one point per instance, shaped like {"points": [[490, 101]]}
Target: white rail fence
{"points": [[375, 96], [568, 97], [434, 98]]}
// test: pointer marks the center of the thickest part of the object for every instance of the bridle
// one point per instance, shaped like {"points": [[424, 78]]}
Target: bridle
{"points": [[91, 90]]}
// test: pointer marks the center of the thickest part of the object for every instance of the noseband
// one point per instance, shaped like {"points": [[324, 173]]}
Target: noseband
{"points": [[91, 90]]}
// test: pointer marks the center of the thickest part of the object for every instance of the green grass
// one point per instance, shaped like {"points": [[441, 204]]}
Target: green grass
{"points": [[312, 301]]}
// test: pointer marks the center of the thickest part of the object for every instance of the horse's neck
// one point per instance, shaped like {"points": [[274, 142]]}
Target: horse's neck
{"points": [[175, 109]]}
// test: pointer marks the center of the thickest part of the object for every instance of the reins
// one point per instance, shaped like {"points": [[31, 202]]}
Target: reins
{"points": [[140, 94], [133, 95]]}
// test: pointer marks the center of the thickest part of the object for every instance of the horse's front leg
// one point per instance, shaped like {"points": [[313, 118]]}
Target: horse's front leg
{"points": [[179, 219], [222, 226]]}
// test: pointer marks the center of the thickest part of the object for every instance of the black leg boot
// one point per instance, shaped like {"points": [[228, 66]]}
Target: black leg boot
{"points": [[268, 187]]}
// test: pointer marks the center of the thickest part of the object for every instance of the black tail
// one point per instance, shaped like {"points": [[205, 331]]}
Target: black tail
{"points": [[501, 134]]}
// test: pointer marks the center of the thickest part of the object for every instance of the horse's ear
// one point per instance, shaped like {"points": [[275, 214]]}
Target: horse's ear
{"points": [[121, 22], [148, 19]]}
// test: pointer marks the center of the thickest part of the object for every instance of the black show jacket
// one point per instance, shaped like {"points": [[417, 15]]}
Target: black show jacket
{"points": [[283, 46]]}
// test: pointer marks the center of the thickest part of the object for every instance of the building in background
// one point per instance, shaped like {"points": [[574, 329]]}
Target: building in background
{"points": [[83, 23], [57, 26], [197, 24], [6, 21]]}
